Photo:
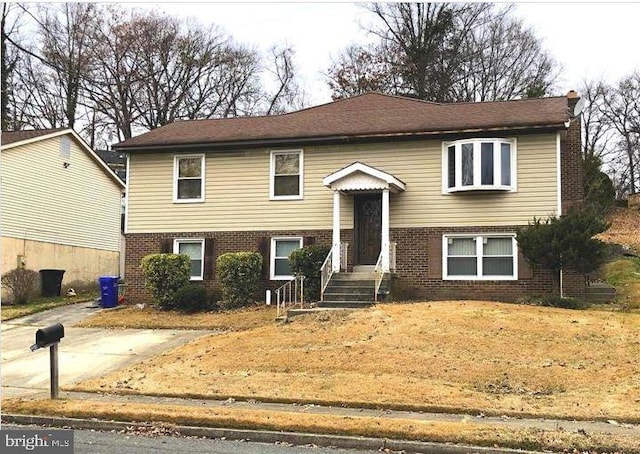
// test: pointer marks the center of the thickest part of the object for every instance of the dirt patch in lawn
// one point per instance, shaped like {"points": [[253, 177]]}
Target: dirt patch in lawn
{"points": [[435, 431], [452, 356], [152, 318]]}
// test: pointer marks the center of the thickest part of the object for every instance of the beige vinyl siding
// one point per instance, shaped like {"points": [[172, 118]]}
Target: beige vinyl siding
{"points": [[237, 190], [43, 201]]}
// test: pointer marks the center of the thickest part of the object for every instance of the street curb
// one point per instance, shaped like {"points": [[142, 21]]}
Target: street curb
{"points": [[268, 436]]}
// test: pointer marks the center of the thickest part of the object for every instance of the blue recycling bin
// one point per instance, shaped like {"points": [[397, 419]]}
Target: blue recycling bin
{"points": [[108, 291]]}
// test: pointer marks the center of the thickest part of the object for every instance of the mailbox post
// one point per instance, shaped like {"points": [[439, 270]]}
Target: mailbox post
{"points": [[50, 337]]}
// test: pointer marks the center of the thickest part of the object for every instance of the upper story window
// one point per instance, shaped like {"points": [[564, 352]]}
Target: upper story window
{"points": [[479, 164], [480, 257], [194, 248], [286, 175], [188, 178]]}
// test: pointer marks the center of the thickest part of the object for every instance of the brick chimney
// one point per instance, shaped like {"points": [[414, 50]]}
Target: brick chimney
{"points": [[572, 100]]}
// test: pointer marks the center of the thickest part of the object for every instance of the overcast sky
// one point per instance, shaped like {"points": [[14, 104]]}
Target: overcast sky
{"points": [[590, 40]]}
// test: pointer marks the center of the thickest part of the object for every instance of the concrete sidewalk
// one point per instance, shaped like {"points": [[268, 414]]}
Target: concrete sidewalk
{"points": [[84, 353], [605, 427], [585, 428]]}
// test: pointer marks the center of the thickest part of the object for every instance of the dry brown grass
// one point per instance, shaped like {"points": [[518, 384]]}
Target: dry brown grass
{"points": [[454, 356], [153, 318], [438, 431]]}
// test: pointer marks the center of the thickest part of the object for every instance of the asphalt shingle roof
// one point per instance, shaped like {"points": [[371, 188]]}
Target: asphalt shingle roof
{"points": [[366, 115], [9, 137]]}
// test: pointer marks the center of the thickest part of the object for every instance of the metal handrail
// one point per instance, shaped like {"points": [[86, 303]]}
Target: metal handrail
{"points": [[326, 271], [379, 277], [379, 270], [289, 294]]}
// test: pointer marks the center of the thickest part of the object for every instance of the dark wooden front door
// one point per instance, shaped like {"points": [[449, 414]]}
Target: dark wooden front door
{"points": [[368, 228]]}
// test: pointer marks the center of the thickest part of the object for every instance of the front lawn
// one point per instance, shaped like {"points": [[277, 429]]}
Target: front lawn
{"points": [[494, 358], [9, 312], [150, 317]]}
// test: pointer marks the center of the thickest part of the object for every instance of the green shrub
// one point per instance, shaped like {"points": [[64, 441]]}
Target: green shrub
{"points": [[165, 274], [192, 298], [239, 274], [307, 262], [22, 284]]}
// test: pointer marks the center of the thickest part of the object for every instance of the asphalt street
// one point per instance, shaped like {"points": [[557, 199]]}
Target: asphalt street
{"points": [[95, 442]]}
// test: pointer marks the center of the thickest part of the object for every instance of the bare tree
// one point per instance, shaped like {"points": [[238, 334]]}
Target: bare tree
{"points": [[622, 110], [9, 58], [504, 61], [65, 31], [360, 69], [446, 52], [288, 93], [115, 70]]}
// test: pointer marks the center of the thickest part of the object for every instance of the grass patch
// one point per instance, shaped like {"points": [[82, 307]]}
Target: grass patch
{"points": [[40, 304], [624, 275], [435, 431], [153, 318], [471, 356]]}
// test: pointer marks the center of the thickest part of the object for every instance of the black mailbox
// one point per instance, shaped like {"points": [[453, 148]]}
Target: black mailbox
{"points": [[48, 336]]}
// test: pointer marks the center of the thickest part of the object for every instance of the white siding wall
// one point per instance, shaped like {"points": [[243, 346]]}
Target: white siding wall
{"points": [[237, 190], [43, 201]]}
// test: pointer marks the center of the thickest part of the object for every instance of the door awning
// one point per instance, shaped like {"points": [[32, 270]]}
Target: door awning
{"points": [[361, 177]]}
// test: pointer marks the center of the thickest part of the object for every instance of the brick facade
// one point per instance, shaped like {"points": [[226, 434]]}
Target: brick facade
{"points": [[571, 161], [419, 263]]}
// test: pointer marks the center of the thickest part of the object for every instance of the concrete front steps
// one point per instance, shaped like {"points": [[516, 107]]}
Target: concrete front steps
{"points": [[600, 292], [350, 290]]}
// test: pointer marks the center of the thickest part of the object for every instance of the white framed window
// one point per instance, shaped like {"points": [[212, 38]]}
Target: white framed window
{"points": [[479, 165], [281, 249], [286, 175], [479, 257], [194, 248], [188, 178]]}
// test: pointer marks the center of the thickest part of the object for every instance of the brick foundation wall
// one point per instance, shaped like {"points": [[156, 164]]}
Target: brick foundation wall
{"points": [[415, 255]]}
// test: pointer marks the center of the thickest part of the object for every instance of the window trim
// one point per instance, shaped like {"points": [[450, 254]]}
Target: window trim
{"points": [[176, 160], [176, 250], [272, 257], [272, 175], [479, 257], [477, 165]]}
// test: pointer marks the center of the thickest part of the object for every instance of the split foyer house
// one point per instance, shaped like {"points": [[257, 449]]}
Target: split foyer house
{"points": [[428, 193], [61, 206]]}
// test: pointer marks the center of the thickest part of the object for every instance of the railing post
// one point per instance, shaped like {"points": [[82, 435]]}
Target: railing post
{"points": [[385, 231], [336, 233]]}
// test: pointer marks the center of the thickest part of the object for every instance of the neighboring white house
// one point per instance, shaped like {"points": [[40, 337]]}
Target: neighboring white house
{"points": [[60, 206]]}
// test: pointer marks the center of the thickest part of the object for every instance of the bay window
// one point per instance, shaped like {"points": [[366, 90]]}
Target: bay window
{"points": [[479, 164]]}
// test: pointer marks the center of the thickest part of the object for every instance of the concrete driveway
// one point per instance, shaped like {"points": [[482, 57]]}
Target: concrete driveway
{"points": [[84, 353]]}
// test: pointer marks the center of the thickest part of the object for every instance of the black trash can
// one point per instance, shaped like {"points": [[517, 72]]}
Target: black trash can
{"points": [[50, 282]]}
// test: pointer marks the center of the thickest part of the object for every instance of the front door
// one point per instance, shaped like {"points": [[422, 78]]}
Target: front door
{"points": [[368, 228]]}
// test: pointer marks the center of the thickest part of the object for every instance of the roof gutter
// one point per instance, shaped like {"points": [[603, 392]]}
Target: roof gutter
{"points": [[329, 140]]}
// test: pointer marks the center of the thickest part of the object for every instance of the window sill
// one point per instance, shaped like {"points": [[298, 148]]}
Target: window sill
{"points": [[282, 278], [286, 197], [480, 189], [188, 200], [480, 278]]}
